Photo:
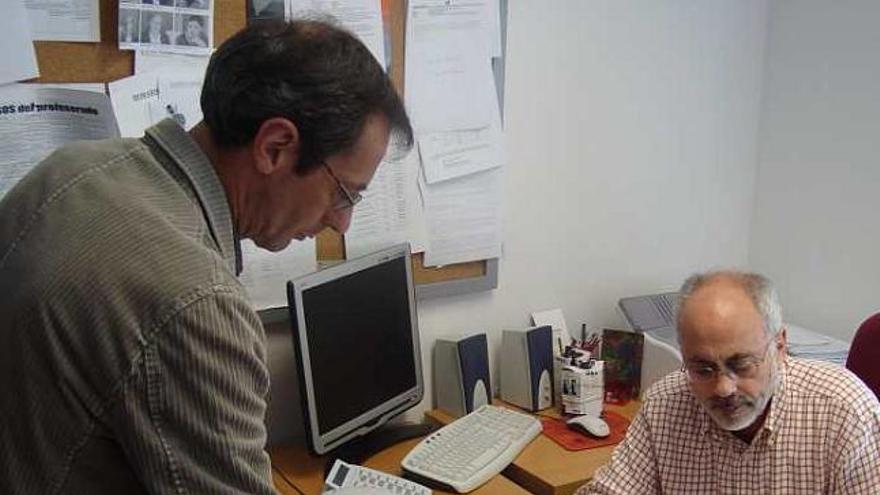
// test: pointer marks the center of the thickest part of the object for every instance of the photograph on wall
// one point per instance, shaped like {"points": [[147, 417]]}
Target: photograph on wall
{"points": [[172, 26], [258, 10], [129, 26]]}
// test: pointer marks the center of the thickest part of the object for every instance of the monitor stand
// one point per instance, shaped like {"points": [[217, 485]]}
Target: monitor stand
{"points": [[360, 449]]}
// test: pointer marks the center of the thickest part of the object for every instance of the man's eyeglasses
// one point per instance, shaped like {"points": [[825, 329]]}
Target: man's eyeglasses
{"points": [[348, 198], [736, 368]]}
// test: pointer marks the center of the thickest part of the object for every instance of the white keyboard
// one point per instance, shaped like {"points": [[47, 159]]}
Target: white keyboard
{"points": [[467, 452]]}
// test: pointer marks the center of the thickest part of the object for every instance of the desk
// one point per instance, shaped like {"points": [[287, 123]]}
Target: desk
{"points": [[296, 469], [282, 486], [545, 468]]}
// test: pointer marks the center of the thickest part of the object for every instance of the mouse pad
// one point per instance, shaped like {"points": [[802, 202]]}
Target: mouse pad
{"points": [[569, 439]]}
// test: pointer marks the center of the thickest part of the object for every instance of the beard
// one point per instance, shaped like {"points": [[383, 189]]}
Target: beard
{"points": [[739, 411]]}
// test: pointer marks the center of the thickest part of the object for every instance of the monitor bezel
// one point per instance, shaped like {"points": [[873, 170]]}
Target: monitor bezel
{"points": [[372, 419]]}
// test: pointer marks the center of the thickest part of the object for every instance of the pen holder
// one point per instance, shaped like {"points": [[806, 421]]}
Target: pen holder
{"points": [[560, 361], [583, 388]]}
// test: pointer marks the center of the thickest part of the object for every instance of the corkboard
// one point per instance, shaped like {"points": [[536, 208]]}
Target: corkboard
{"points": [[104, 62]]}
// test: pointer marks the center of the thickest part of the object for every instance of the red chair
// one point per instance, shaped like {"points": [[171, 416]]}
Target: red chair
{"points": [[864, 353]]}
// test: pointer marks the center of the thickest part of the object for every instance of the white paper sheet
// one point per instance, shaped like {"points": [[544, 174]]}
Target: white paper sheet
{"points": [[36, 120], [17, 58], [362, 17], [464, 218], [143, 100], [450, 154], [391, 211], [178, 99], [552, 317], [187, 66], [172, 26], [449, 82], [556, 320], [93, 87], [132, 97], [265, 273], [64, 20]]}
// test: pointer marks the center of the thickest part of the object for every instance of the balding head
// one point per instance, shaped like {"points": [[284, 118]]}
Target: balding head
{"points": [[757, 288]]}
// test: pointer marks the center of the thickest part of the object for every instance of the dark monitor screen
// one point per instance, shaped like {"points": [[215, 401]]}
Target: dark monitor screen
{"points": [[357, 345]]}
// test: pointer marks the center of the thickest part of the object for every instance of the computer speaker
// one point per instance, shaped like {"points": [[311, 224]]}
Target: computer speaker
{"points": [[527, 367], [461, 373]]}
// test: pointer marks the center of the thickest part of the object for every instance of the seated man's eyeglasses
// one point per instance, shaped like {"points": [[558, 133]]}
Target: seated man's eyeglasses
{"points": [[348, 198], [736, 368]]}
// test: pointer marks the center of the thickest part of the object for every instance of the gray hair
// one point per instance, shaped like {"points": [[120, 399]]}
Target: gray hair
{"points": [[758, 287]]}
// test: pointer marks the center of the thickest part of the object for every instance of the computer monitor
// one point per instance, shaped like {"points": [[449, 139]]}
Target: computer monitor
{"points": [[356, 335]]}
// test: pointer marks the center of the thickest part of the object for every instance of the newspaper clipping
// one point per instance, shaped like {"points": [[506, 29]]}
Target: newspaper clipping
{"points": [[34, 120], [174, 26]]}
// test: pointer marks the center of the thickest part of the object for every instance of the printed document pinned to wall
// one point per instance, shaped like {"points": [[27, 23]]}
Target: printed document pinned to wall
{"points": [[182, 65], [362, 17], [450, 154], [131, 98], [174, 26], [453, 103], [93, 87], [464, 218], [265, 273], [35, 120], [64, 20], [391, 211], [448, 82], [143, 100], [17, 58], [179, 99]]}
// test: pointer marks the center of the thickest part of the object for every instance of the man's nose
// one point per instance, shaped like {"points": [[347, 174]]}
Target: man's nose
{"points": [[725, 385]]}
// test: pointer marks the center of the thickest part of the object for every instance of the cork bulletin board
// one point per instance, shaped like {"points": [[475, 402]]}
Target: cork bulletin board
{"points": [[64, 62]]}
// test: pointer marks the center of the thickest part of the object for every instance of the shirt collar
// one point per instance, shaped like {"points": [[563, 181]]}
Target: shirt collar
{"points": [[777, 406], [187, 155]]}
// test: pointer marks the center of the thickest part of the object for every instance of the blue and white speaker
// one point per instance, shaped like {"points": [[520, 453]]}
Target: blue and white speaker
{"points": [[527, 367], [461, 373]]}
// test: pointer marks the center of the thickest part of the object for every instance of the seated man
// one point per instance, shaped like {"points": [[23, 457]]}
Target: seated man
{"points": [[742, 416]]}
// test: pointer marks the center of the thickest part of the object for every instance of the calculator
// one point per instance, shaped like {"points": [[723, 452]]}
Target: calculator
{"points": [[344, 476]]}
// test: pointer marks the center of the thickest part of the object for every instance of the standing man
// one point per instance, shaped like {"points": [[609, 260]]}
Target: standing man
{"points": [[742, 416], [132, 360]]}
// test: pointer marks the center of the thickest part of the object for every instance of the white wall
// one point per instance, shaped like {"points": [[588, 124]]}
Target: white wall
{"points": [[816, 229], [631, 134]]}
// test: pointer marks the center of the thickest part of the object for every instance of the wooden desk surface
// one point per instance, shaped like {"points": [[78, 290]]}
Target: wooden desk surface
{"points": [[544, 467], [282, 486], [305, 473]]}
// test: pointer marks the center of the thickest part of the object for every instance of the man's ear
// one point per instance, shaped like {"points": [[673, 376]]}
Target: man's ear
{"points": [[782, 341], [276, 145]]}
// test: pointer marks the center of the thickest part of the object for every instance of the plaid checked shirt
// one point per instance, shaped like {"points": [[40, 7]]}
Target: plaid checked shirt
{"points": [[822, 435]]}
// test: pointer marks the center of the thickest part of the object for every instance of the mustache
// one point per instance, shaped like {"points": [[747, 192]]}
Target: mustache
{"points": [[734, 401]]}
